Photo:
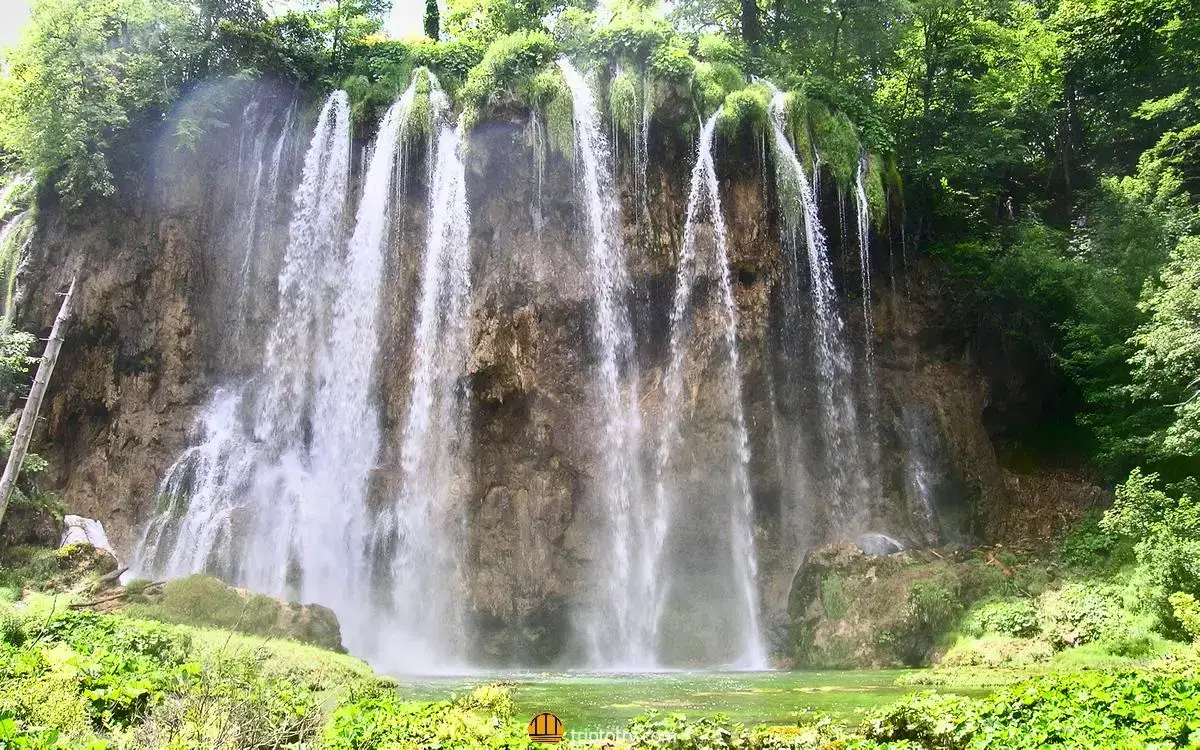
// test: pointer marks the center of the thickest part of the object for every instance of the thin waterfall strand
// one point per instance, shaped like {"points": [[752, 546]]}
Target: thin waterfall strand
{"points": [[618, 628]]}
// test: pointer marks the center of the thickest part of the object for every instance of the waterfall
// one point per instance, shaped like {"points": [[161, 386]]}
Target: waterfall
{"points": [[799, 209], [704, 197], [264, 192], [313, 235], [426, 519], [864, 260], [619, 628], [16, 233], [247, 459]]}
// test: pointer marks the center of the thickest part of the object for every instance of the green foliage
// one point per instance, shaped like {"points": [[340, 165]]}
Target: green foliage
{"points": [[835, 140], [1084, 709], [712, 82], [573, 28], [382, 719], [1014, 617], [719, 49], [206, 601], [1087, 544], [631, 36], [79, 676], [1187, 611], [833, 597], [744, 109], [671, 62], [930, 612], [1080, 613], [624, 96], [508, 60], [15, 361], [1165, 531]]}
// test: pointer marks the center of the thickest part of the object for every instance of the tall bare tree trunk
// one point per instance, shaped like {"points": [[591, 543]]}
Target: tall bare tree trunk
{"points": [[751, 25], [37, 391]]}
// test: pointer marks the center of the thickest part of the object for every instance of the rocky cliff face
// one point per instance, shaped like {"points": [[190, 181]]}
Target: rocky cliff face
{"points": [[162, 321]]}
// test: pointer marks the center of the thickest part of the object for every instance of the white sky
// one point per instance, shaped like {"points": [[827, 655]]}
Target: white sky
{"points": [[405, 21]]}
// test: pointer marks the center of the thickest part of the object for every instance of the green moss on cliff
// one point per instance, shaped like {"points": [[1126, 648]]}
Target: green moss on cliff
{"points": [[835, 139], [624, 97], [505, 72], [744, 109], [712, 82]]}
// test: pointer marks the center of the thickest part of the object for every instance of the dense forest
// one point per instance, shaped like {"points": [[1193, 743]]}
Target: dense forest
{"points": [[1036, 161]]}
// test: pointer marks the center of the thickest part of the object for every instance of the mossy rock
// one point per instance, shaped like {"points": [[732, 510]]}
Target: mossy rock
{"points": [[850, 609], [48, 569], [36, 522], [205, 601]]}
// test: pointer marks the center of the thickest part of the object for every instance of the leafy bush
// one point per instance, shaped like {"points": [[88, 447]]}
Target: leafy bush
{"points": [[719, 49], [632, 35], [1080, 613], [507, 60], [1085, 709], [1087, 543], [671, 62], [745, 108], [1187, 612], [1166, 535], [930, 612], [1017, 618], [712, 82], [384, 720], [624, 94], [835, 139]]}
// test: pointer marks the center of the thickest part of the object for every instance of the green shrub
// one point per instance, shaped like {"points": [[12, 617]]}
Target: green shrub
{"points": [[835, 139], [12, 629], [384, 720], [930, 612], [631, 36], [1087, 544], [933, 721], [1165, 531], [1187, 612], [996, 652], [624, 94], [719, 49], [1082, 709], [1017, 618], [573, 28], [671, 62], [1080, 613], [507, 61], [712, 82], [1130, 645], [745, 108]]}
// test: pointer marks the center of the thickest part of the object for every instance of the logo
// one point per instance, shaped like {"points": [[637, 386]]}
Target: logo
{"points": [[546, 727]]}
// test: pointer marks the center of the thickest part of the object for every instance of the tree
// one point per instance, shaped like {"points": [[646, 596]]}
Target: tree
{"points": [[432, 19], [33, 404]]}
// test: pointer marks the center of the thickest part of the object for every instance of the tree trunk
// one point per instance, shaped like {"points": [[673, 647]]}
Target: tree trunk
{"points": [[751, 28], [37, 391]]}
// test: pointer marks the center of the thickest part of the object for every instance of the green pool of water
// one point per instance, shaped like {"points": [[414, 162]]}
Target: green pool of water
{"points": [[601, 703]]}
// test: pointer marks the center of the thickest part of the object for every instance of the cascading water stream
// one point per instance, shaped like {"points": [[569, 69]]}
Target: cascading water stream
{"points": [[799, 209], [704, 197], [313, 235], [258, 423], [299, 487], [427, 517], [619, 628], [264, 193], [864, 258]]}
